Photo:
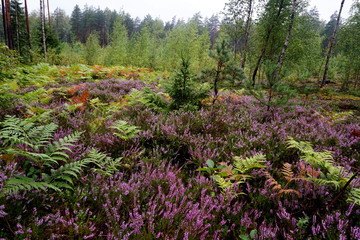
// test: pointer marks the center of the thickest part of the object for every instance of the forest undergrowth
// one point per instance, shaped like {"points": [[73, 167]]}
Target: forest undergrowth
{"points": [[105, 153]]}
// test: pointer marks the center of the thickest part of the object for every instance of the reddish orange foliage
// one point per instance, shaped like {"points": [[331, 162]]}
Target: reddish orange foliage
{"points": [[82, 99], [73, 89], [110, 74]]}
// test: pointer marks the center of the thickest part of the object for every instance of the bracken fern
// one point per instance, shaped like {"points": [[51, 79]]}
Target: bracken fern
{"points": [[330, 175], [22, 137]]}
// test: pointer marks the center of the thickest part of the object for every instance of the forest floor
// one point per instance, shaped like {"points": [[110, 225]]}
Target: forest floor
{"points": [[95, 152]]}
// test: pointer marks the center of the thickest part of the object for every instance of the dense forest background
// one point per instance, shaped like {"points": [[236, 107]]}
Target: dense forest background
{"points": [[244, 125], [254, 30]]}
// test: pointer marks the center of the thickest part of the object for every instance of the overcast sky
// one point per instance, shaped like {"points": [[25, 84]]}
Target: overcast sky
{"points": [[166, 9]]}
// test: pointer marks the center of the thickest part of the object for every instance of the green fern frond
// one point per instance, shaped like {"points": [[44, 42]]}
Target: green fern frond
{"points": [[124, 130], [23, 131], [40, 158], [70, 169], [244, 165], [56, 149], [62, 185], [64, 175], [354, 196], [323, 160], [41, 135], [106, 165], [223, 184], [15, 131], [325, 182], [21, 183]]}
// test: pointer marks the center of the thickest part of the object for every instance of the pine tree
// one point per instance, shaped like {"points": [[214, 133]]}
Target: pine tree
{"points": [[18, 22], [76, 19]]}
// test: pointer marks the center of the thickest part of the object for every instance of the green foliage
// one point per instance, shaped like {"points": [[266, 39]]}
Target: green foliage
{"points": [[226, 176], [243, 166], [183, 90], [124, 130], [105, 165], [20, 183], [92, 49], [118, 49], [18, 131], [224, 68], [277, 92], [49, 165], [148, 98], [141, 50], [348, 46], [252, 235], [330, 174], [8, 60]]}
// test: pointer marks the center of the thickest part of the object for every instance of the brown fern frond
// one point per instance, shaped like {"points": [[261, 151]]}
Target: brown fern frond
{"points": [[82, 99], [275, 185], [289, 191], [287, 172]]}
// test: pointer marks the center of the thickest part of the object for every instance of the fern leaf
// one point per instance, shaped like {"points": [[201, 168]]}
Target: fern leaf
{"points": [[124, 130], [41, 135], [56, 149], [21, 183], [247, 164], [325, 182], [106, 165], [275, 185], [354, 196], [222, 183], [62, 185], [289, 191], [287, 172]]}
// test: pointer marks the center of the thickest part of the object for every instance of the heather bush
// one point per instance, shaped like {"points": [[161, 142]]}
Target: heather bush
{"points": [[153, 190]]}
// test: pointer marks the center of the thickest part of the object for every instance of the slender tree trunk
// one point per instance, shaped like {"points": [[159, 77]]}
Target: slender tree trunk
{"points": [[331, 46], [247, 33], [27, 23], [4, 20], [17, 30], [42, 18], [9, 32], [216, 80], [49, 16], [267, 38], [286, 43]]}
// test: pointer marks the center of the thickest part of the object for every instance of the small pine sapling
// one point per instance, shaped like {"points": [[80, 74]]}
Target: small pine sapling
{"points": [[183, 90]]}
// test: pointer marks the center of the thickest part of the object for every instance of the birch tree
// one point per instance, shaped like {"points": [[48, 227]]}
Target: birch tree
{"points": [[331, 46]]}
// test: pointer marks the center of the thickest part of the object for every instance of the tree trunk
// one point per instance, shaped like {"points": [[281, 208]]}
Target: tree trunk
{"points": [[267, 38], [17, 29], [49, 17], [42, 18], [27, 23], [331, 46], [247, 33], [4, 20], [286, 43], [9, 32]]}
